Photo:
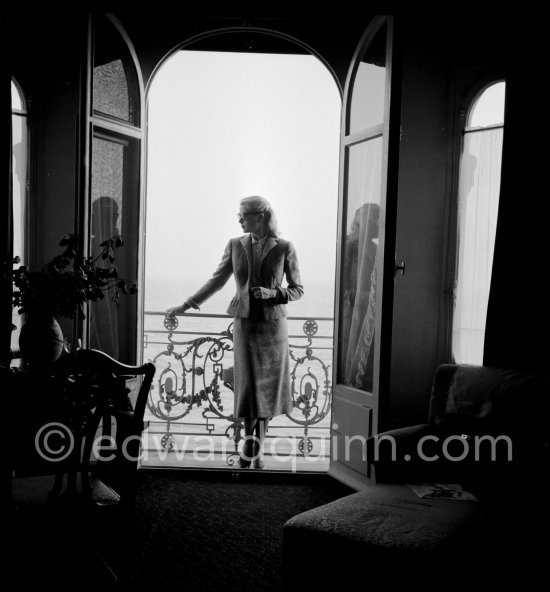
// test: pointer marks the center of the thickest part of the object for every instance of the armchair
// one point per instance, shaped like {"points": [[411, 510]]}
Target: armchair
{"points": [[486, 429]]}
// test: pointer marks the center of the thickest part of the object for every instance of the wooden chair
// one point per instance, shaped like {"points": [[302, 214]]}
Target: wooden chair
{"points": [[91, 429], [93, 400]]}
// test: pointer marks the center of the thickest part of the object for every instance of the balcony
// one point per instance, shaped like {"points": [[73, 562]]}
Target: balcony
{"points": [[190, 409]]}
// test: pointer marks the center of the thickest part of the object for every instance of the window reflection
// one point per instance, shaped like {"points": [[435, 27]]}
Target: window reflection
{"points": [[106, 221], [358, 308]]}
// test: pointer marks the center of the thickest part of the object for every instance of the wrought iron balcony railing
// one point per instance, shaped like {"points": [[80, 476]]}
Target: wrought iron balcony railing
{"points": [[194, 383]]}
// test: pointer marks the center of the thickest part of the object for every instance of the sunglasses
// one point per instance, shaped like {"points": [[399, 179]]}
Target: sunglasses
{"points": [[242, 217]]}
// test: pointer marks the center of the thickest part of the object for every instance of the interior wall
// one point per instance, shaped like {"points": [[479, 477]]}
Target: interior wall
{"points": [[48, 69], [49, 72]]}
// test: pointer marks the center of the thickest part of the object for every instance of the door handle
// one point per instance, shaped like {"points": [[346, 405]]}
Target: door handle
{"points": [[399, 267]]}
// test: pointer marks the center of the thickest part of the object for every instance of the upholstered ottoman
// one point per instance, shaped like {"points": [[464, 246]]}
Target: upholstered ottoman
{"points": [[384, 534], [387, 535]]}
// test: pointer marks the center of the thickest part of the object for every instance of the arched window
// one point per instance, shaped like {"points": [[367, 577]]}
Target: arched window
{"points": [[478, 197], [20, 151]]}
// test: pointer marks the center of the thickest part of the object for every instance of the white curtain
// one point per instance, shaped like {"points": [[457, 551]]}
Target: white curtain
{"points": [[19, 202], [479, 187]]}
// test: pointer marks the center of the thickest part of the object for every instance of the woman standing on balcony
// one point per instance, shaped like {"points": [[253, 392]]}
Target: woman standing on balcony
{"points": [[258, 261]]}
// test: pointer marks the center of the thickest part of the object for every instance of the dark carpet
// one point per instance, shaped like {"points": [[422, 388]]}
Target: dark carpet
{"points": [[188, 531], [219, 531]]}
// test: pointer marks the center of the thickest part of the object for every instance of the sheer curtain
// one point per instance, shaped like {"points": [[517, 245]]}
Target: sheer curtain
{"points": [[19, 190], [479, 187]]}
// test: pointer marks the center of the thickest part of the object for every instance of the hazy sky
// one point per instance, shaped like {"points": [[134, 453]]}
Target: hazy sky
{"points": [[226, 125]]}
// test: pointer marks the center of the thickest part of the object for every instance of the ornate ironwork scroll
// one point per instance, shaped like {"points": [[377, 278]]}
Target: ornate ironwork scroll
{"points": [[196, 375], [311, 387]]}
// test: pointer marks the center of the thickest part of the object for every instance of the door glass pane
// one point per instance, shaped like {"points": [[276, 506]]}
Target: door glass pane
{"points": [[369, 86], [106, 221], [358, 304], [115, 89], [111, 90]]}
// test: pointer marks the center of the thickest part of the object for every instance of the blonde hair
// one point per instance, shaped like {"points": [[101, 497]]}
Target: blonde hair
{"points": [[257, 203]]}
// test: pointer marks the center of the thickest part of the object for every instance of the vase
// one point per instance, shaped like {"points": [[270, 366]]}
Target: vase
{"points": [[40, 340]]}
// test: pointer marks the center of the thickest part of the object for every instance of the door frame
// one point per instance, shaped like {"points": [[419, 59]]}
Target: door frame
{"points": [[377, 401]]}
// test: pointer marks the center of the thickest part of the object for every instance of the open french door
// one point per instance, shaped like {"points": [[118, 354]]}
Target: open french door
{"points": [[366, 250]]}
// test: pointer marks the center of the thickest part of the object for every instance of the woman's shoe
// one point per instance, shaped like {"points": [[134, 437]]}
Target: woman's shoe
{"points": [[243, 463], [259, 463]]}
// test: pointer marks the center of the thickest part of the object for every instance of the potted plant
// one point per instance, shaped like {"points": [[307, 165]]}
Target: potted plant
{"points": [[62, 289]]}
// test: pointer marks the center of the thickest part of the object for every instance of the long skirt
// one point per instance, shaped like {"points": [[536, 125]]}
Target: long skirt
{"points": [[262, 368]]}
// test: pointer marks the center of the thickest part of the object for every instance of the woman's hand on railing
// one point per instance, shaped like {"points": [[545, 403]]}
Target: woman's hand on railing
{"points": [[178, 310]]}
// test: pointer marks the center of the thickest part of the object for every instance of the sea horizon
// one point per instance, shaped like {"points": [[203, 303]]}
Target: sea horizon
{"points": [[162, 293]]}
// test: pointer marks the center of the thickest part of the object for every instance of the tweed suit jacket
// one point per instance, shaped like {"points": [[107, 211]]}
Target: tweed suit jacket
{"points": [[278, 260]]}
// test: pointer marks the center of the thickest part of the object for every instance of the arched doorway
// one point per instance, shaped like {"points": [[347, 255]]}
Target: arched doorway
{"points": [[231, 115]]}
